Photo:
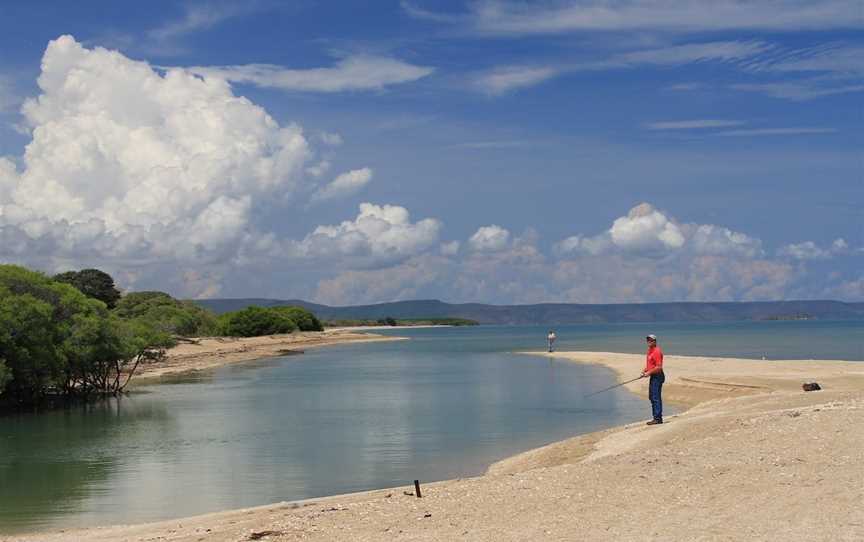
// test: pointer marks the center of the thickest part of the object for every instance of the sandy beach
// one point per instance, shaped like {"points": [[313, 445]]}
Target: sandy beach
{"points": [[753, 458], [211, 352]]}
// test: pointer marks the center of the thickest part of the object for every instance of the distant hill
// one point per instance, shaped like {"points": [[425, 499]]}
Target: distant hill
{"points": [[567, 313]]}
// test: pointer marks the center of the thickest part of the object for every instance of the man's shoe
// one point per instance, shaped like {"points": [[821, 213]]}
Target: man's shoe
{"points": [[654, 422]]}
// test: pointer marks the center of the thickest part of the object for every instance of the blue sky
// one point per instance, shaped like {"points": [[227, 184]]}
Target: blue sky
{"points": [[495, 151]]}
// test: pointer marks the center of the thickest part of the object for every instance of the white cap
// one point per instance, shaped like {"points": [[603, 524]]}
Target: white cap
{"points": [[652, 337]]}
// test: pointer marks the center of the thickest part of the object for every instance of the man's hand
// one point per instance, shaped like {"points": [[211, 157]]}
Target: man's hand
{"points": [[643, 375]]}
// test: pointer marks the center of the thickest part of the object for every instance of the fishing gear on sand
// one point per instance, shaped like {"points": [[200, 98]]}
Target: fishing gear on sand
{"points": [[612, 387]]}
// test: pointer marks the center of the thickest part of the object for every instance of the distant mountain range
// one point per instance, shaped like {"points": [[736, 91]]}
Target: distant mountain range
{"points": [[567, 313]]}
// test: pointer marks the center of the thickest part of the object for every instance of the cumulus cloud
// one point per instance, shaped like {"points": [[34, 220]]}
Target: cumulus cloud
{"points": [[135, 165], [357, 72], [645, 228], [344, 185], [379, 234], [450, 248], [808, 250], [647, 231], [489, 239], [651, 257]]}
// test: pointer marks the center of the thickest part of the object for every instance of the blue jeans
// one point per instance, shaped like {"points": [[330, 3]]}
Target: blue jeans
{"points": [[655, 385]]}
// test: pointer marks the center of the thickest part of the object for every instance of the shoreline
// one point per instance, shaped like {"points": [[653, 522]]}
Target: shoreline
{"points": [[752, 457], [209, 353]]}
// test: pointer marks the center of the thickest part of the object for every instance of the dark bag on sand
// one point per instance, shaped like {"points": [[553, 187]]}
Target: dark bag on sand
{"points": [[812, 386]]}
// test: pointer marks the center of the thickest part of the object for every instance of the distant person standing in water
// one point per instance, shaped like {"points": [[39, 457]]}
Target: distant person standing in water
{"points": [[551, 338], [654, 370]]}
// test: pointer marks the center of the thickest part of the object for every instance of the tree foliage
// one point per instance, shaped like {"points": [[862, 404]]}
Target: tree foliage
{"points": [[92, 283], [55, 341], [256, 321], [305, 320], [166, 314]]}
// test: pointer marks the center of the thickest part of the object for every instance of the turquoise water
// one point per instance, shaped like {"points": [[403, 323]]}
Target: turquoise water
{"points": [[445, 404]]}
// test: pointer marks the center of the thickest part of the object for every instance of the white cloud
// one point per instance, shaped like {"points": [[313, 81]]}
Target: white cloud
{"points": [[508, 78], [489, 239], [199, 17], [130, 167], [328, 138], [345, 184], [499, 17], [504, 79], [801, 90], [380, 234], [777, 131], [450, 248], [808, 250], [696, 52], [838, 59], [692, 124], [717, 240], [357, 72], [646, 229], [319, 169]]}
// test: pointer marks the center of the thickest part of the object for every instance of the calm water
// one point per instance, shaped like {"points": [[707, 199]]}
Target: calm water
{"points": [[347, 418]]}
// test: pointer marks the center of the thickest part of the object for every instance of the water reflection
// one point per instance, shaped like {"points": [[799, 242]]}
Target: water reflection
{"points": [[52, 463]]}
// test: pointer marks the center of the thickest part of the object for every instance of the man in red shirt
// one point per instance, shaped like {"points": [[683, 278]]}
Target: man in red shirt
{"points": [[654, 369]]}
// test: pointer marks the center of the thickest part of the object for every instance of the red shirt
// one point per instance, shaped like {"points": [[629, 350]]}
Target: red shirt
{"points": [[654, 359]]}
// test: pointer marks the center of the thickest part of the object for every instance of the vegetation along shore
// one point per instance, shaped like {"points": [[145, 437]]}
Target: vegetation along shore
{"points": [[73, 336]]}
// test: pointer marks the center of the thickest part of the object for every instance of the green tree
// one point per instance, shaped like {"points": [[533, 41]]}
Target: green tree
{"points": [[92, 283], [56, 341], [5, 376], [35, 318], [305, 320], [166, 314], [253, 322]]}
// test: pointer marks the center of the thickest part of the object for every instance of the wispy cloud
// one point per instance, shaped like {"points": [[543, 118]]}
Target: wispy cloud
{"points": [[507, 17], [723, 51], [687, 87], [511, 144], [777, 131], [508, 78], [201, 17], [358, 72], [839, 59], [800, 90], [693, 124], [504, 79]]}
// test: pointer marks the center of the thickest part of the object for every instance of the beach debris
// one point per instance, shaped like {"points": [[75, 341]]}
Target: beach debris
{"points": [[417, 488], [427, 515], [263, 534], [409, 493], [794, 414], [811, 386]]}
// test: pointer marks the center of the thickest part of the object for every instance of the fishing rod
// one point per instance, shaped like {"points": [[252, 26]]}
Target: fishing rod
{"points": [[612, 387]]}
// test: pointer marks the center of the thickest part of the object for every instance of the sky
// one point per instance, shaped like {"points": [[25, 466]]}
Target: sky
{"points": [[590, 151]]}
